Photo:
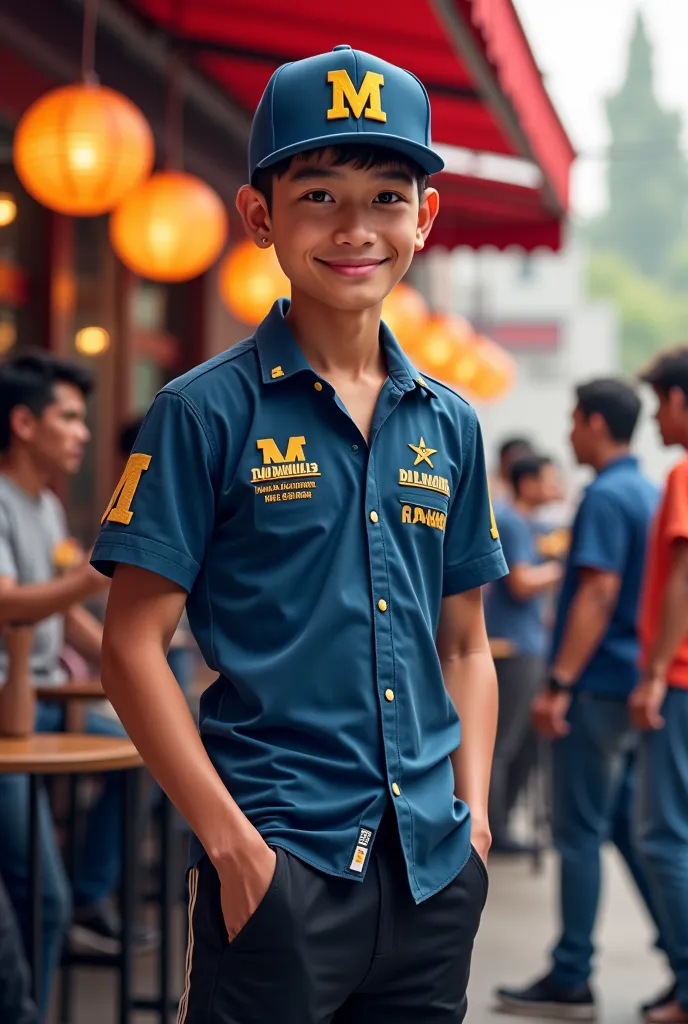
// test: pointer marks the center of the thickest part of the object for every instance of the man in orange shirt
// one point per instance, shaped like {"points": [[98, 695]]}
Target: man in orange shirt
{"points": [[659, 704]]}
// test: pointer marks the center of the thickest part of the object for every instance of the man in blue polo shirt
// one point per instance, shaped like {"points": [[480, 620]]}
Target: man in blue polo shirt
{"points": [[583, 707], [323, 511]]}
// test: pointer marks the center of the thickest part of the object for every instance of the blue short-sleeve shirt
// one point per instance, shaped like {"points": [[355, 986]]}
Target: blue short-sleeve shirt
{"points": [[610, 534], [315, 565], [519, 621]]}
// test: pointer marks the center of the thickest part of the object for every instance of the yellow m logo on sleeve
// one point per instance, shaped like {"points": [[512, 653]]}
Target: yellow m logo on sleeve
{"points": [[367, 98], [119, 509], [271, 452]]}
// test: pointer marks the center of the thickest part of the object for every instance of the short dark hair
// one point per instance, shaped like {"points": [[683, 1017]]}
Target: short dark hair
{"points": [[615, 401], [510, 443], [28, 378], [128, 435], [363, 156], [668, 370], [527, 466]]}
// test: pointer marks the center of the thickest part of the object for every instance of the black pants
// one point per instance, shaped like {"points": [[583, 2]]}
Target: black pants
{"points": [[324, 950], [516, 747]]}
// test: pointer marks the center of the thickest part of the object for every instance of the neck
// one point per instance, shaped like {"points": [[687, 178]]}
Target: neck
{"points": [[610, 453], [344, 342], [22, 471]]}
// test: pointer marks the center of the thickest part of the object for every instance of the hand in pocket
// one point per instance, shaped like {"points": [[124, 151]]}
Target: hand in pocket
{"points": [[244, 883]]}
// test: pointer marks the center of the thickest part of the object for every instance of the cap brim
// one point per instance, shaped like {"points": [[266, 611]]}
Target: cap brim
{"points": [[428, 160]]}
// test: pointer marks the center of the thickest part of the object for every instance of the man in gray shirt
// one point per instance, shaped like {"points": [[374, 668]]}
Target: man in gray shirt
{"points": [[43, 578]]}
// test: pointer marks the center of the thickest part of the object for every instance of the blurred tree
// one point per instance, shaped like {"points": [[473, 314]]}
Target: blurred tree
{"points": [[652, 315], [647, 175]]}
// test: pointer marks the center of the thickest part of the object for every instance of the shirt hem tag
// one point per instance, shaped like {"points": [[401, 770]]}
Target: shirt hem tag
{"points": [[363, 844]]}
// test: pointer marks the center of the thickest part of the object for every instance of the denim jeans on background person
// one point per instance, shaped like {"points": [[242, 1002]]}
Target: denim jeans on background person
{"points": [[662, 824], [593, 795], [16, 1004], [99, 861]]}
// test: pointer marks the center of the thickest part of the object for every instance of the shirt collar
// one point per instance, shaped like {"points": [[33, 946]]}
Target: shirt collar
{"points": [[280, 357], [623, 462]]}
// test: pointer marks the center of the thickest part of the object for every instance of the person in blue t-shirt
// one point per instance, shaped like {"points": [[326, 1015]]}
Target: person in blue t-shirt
{"points": [[513, 613], [583, 707]]}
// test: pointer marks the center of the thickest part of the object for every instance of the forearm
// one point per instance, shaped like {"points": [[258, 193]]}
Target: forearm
{"points": [[27, 604], [17, 695], [84, 633], [471, 682], [673, 625], [152, 708], [529, 581], [587, 622]]}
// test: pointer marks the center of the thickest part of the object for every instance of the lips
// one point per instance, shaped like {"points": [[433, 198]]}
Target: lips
{"points": [[353, 267]]}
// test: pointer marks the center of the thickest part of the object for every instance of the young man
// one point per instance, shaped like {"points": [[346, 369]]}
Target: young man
{"points": [[511, 449], [583, 706], [325, 508], [659, 705], [513, 612], [43, 577]]}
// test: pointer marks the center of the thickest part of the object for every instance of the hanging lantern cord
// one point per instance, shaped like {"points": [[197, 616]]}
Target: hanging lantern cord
{"points": [[88, 48]]}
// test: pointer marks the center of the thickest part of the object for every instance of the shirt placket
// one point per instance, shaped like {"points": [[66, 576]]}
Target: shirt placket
{"points": [[381, 595]]}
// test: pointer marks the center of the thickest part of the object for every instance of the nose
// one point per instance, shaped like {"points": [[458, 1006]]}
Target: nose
{"points": [[354, 228], [85, 433]]}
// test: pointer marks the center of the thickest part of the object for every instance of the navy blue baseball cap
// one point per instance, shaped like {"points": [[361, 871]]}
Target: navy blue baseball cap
{"points": [[340, 97]]}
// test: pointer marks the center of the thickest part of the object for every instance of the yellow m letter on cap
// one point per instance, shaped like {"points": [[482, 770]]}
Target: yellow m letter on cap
{"points": [[119, 509], [367, 98]]}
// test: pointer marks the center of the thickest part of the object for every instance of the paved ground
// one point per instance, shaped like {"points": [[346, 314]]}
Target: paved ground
{"points": [[517, 929]]}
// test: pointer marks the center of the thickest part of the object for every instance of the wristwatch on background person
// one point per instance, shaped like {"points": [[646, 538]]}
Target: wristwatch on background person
{"points": [[557, 685]]}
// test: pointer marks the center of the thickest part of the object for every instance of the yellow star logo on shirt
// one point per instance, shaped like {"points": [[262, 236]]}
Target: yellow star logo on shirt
{"points": [[423, 453]]}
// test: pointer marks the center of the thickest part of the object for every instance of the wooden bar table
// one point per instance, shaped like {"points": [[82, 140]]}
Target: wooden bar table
{"points": [[73, 694], [75, 754]]}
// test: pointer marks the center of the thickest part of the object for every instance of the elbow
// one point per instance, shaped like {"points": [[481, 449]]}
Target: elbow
{"points": [[114, 659], [518, 590]]}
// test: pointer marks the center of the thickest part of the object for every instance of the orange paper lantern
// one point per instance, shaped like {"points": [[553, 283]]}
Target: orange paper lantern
{"points": [[172, 228], [406, 313], [445, 340], [495, 373], [80, 149], [251, 279]]}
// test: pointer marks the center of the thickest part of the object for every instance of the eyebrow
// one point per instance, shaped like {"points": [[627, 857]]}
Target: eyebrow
{"points": [[306, 173]]}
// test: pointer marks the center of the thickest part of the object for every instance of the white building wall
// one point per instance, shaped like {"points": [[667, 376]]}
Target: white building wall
{"points": [[491, 287]]}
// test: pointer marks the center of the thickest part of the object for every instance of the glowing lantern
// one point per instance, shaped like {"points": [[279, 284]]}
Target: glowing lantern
{"points": [[495, 373], [81, 148], [172, 228], [251, 279], [445, 340], [8, 209], [406, 313], [91, 341], [8, 336]]}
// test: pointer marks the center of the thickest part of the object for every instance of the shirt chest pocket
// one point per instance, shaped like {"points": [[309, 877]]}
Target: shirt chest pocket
{"points": [[423, 511]]}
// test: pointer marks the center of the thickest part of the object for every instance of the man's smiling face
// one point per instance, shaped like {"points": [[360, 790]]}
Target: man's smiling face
{"points": [[346, 235]]}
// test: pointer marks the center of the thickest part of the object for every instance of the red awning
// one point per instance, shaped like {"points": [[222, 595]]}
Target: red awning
{"points": [[472, 55]]}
